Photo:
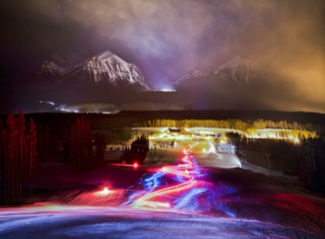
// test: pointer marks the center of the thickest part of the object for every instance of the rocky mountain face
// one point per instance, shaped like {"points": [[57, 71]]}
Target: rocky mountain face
{"points": [[105, 68], [238, 70], [106, 79], [58, 66], [242, 71], [195, 73], [82, 79], [238, 83]]}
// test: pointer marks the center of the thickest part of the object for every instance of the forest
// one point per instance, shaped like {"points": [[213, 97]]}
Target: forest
{"points": [[305, 159], [18, 154], [79, 140]]}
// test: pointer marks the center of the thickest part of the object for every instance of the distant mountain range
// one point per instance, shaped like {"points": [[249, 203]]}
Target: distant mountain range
{"points": [[195, 73], [105, 81], [238, 83], [243, 71], [240, 70]]}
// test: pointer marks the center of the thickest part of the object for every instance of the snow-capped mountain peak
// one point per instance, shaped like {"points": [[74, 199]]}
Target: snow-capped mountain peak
{"points": [[51, 69], [104, 67], [242, 71], [58, 66], [238, 61], [194, 73], [107, 66]]}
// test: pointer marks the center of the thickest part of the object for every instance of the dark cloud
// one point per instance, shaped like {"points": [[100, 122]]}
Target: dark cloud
{"points": [[167, 38]]}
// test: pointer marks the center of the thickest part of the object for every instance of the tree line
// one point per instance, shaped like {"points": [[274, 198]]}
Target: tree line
{"points": [[300, 130], [138, 151], [17, 153], [20, 143], [305, 159], [87, 151]]}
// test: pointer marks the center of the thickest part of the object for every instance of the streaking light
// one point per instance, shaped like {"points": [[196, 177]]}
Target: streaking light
{"points": [[174, 196]]}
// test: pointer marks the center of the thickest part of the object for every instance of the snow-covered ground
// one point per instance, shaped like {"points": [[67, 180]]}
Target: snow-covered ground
{"points": [[208, 195], [98, 222], [219, 160]]}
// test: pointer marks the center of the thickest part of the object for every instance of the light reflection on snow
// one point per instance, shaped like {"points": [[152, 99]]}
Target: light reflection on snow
{"points": [[57, 221], [175, 195], [174, 198]]}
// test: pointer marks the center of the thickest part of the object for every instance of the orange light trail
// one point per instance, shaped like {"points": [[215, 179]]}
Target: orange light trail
{"points": [[145, 200], [183, 170]]}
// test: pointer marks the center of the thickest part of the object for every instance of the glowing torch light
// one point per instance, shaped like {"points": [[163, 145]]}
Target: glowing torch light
{"points": [[103, 193]]}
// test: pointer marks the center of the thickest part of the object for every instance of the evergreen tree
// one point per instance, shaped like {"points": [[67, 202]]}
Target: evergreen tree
{"points": [[100, 145], [81, 145], [18, 151]]}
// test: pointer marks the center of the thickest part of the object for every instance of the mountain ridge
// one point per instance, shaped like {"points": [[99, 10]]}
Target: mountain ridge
{"points": [[104, 67], [240, 70]]}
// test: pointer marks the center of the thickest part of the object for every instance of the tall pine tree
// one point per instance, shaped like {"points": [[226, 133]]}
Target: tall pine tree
{"points": [[18, 151], [81, 145]]}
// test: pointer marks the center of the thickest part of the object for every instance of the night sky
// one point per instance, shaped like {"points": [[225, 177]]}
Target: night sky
{"points": [[167, 38]]}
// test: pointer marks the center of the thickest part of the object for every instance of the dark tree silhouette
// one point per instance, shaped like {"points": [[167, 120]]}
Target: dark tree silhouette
{"points": [[81, 145], [100, 145], [18, 151], [138, 152], [312, 164]]}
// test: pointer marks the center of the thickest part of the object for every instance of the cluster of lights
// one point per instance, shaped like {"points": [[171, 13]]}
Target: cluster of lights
{"points": [[275, 134], [259, 134], [292, 138], [187, 139]]}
